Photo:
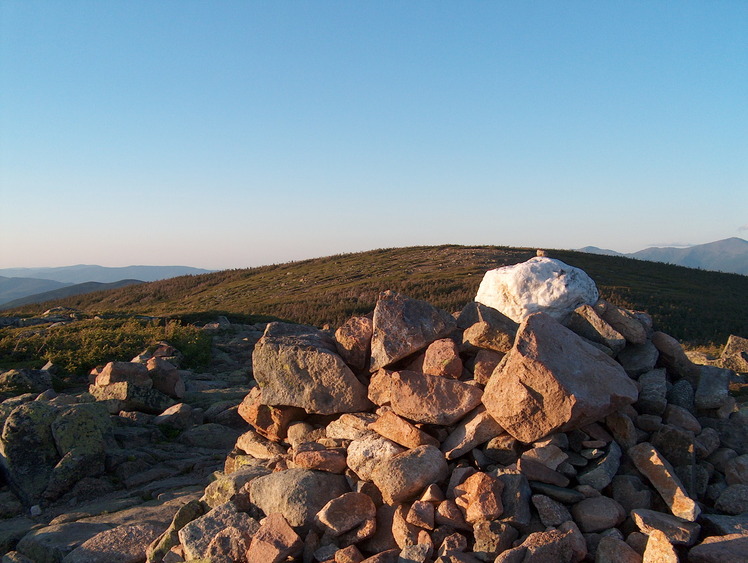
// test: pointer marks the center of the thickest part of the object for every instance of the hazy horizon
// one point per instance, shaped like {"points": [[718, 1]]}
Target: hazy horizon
{"points": [[238, 134]]}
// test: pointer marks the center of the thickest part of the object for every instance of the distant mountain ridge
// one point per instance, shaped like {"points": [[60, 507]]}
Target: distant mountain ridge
{"points": [[90, 273], [728, 255], [22, 286]]}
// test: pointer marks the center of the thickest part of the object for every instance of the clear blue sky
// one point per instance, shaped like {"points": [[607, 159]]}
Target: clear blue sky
{"points": [[229, 134]]}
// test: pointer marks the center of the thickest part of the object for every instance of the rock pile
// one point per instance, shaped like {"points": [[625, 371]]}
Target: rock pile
{"points": [[414, 435]]}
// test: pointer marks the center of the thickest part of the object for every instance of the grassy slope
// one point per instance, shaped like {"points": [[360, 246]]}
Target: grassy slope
{"points": [[693, 305]]}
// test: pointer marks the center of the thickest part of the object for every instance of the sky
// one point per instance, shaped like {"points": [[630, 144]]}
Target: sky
{"points": [[231, 134]]}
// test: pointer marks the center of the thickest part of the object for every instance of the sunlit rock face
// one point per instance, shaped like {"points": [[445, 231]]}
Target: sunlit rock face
{"points": [[539, 285]]}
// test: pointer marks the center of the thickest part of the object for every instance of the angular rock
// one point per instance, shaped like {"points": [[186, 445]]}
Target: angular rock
{"points": [[536, 471], [400, 431], [119, 372], [275, 541], [536, 391], [475, 429], [315, 456], [430, 399], [652, 392], [637, 359], [258, 447], [587, 323], [53, 543], [680, 417], [515, 499], [351, 515], [713, 388], [485, 362], [736, 470], [613, 550], [623, 321], [540, 284], [631, 493], [480, 497], [733, 500], [492, 538], [353, 341], [551, 512], [734, 356], [483, 336], [209, 435], [404, 475], [27, 450], [186, 513], [125, 544], [679, 532], [442, 358], [421, 514], [297, 494], [228, 487], [674, 357], [366, 454], [228, 546], [662, 476], [682, 394], [19, 381], [270, 422], [659, 549], [196, 535], [298, 366], [718, 549], [127, 396], [403, 326]]}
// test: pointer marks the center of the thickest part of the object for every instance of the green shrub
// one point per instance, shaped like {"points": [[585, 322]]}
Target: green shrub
{"points": [[78, 347]]}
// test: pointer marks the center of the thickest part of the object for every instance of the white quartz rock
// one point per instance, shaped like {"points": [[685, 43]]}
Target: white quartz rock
{"points": [[540, 284]]}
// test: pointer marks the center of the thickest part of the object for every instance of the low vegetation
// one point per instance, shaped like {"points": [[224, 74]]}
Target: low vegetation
{"points": [[700, 308], [79, 347]]}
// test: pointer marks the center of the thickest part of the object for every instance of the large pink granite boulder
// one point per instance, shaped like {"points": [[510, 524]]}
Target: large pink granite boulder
{"points": [[552, 380]]}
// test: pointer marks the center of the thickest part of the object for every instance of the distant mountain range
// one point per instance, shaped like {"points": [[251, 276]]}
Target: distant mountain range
{"points": [[728, 255], [22, 286]]}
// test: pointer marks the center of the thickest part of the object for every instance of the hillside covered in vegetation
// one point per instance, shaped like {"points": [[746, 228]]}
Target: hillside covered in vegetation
{"points": [[696, 306]]}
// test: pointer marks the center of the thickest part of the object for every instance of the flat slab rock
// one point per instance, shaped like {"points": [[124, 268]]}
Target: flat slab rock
{"points": [[552, 380], [299, 366]]}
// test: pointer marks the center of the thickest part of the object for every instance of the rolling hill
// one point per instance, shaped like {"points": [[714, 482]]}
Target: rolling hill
{"points": [[16, 288], [695, 306], [67, 291]]}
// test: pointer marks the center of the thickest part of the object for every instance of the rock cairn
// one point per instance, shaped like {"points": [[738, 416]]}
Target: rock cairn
{"points": [[572, 431]]}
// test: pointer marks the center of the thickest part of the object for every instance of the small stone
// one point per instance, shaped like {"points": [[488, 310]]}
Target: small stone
{"points": [[274, 541], [352, 514], [718, 549], [480, 497], [405, 475], [442, 358], [677, 531], [733, 500], [421, 514], [395, 428], [662, 476], [353, 341], [613, 550], [551, 512], [597, 514], [659, 549]]}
